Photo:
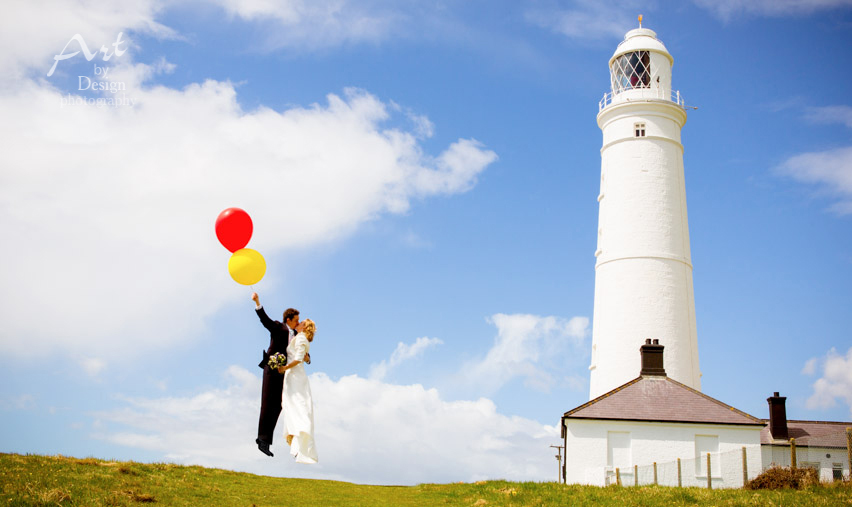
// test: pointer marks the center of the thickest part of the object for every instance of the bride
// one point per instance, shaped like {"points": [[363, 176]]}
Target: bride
{"points": [[297, 402]]}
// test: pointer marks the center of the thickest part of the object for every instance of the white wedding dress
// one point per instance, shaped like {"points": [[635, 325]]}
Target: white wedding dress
{"points": [[298, 405]]}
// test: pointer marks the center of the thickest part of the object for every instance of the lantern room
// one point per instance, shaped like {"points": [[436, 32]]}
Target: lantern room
{"points": [[640, 69]]}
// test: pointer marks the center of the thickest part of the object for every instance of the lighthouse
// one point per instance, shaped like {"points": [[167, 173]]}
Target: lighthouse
{"points": [[643, 268]]}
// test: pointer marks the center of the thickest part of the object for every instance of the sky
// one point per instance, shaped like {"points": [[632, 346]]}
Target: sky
{"points": [[422, 178]]}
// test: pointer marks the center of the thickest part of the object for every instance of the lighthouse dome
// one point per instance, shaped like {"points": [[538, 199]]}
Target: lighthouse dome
{"points": [[640, 39]]}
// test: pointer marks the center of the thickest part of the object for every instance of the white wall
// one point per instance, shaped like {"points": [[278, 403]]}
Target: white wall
{"points": [[827, 457], [586, 452]]}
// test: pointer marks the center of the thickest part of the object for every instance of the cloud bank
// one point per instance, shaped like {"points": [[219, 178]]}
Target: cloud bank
{"points": [[369, 430], [835, 383], [402, 353], [587, 20], [113, 207], [110, 209], [830, 171], [528, 347]]}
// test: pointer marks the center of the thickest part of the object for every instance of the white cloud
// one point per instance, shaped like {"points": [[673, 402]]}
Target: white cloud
{"points": [[92, 365], [830, 114], [726, 9], [588, 20], [367, 431], [32, 33], [414, 241], [830, 170], [112, 208], [835, 382], [115, 205], [311, 24], [403, 352], [19, 402], [526, 346], [810, 366]]}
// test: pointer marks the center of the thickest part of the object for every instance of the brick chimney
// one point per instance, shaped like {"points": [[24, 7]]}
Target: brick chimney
{"points": [[778, 417], [652, 358]]}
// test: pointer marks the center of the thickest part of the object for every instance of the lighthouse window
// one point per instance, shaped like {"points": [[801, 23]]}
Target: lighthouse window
{"points": [[639, 129], [631, 70]]}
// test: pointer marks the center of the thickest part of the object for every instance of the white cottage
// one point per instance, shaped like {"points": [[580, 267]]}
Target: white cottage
{"points": [[821, 445], [656, 419]]}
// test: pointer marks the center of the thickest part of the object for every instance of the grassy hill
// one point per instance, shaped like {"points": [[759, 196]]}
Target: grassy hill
{"points": [[58, 480]]}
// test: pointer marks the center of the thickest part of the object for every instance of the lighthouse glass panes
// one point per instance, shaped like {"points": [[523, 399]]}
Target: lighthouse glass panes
{"points": [[639, 129], [631, 70]]}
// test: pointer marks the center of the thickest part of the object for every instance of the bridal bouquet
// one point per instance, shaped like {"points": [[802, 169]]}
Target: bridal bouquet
{"points": [[277, 359]]}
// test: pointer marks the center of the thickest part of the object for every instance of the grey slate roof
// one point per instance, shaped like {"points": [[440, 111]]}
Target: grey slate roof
{"points": [[810, 434], [659, 398]]}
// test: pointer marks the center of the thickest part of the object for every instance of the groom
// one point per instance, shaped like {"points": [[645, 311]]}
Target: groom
{"points": [[273, 382]]}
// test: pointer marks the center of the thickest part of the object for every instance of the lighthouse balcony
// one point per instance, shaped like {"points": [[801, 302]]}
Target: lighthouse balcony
{"points": [[641, 95]]}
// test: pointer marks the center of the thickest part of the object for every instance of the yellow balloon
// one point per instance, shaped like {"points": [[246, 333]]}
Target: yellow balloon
{"points": [[246, 266]]}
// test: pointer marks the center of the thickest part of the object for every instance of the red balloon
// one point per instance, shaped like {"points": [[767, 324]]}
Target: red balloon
{"points": [[233, 228]]}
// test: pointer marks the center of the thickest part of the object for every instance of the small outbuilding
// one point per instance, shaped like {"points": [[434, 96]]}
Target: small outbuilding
{"points": [[655, 429], [821, 445]]}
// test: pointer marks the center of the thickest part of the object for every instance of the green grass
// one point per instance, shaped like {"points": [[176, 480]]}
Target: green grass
{"points": [[58, 480]]}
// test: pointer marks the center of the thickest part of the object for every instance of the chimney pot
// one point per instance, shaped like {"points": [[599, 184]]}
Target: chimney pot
{"points": [[652, 358], [778, 417]]}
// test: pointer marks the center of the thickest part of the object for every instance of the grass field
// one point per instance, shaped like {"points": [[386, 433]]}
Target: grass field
{"points": [[58, 480]]}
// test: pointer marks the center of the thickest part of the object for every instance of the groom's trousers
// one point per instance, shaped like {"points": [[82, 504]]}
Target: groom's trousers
{"points": [[270, 403]]}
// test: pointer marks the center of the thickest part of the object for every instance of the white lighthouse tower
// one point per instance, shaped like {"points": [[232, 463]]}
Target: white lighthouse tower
{"points": [[643, 272]]}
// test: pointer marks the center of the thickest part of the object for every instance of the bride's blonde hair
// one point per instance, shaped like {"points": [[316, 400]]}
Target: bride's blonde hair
{"points": [[310, 329]]}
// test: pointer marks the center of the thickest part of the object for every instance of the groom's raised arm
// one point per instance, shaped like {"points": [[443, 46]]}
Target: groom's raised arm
{"points": [[268, 323]]}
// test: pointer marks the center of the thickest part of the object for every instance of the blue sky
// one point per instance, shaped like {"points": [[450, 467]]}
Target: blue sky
{"points": [[423, 179]]}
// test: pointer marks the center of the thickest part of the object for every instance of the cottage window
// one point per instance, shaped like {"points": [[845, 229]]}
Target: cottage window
{"points": [[809, 464], [618, 450], [707, 444]]}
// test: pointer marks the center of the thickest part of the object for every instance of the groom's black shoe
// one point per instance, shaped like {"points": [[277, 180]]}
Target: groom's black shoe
{"points": [[263, 446]]}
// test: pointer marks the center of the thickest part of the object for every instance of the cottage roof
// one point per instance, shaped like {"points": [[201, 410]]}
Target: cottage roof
{"points": [[810, 434], [658, 399]]}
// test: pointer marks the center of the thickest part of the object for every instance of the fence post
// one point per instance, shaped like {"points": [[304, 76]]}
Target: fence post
{"points": [[745, 467], [618, 476], [655, 473], [678, 473], [635, 475], [849, 450], [793, 453], [709, 479]]}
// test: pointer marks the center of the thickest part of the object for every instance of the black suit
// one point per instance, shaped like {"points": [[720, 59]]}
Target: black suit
{"points": [[273, 382]]}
